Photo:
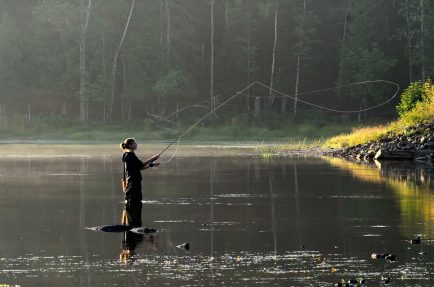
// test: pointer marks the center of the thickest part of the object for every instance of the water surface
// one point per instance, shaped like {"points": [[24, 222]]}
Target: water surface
{"points": [[294, 221]]}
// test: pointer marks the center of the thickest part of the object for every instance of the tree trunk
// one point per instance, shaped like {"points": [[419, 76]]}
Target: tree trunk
{"points": [[104, 74], [297, 82], [122, 110], [162, 18], [123, 97], [84, 16], [409, 40], [82, 84], [257, 106], [422, 40], [300, 51], [249, 63], [362, 104], [273, 62], [167, 12], [115, 60], [29, 115], [104, 112], [63, 109], [3, 114], [202, 53], [344, 32], [177, 110], [284, 103], [129, 110], [211, 90]]}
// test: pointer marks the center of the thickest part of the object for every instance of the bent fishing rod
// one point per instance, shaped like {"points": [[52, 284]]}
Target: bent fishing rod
{"points": [[205, 116]]}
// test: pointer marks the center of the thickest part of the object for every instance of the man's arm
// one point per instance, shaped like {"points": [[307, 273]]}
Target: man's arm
{"points": [[150, 162]]}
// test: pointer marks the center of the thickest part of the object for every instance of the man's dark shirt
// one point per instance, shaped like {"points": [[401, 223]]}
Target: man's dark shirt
{"points": [[132, 167]]}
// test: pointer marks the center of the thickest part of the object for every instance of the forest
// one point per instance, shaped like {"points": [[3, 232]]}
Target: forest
{"points": [[171, 61]]}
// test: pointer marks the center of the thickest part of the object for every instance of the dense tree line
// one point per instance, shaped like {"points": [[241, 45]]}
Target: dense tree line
{"points": [[111, 60]]}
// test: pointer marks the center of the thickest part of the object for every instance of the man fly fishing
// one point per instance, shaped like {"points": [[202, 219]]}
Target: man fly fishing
{"points": [[132, 165]]}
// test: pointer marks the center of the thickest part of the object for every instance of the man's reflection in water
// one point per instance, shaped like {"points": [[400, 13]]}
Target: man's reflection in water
{"points": [[132, 216]]}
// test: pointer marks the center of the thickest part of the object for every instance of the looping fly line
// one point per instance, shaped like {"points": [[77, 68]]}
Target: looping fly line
{"points": [[291, 96]]}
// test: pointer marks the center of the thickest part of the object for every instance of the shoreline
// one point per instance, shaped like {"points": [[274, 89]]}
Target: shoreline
{"points": [[419, 147], [416, 145]]}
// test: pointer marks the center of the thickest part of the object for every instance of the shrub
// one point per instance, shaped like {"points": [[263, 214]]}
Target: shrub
{"points": [[411, 96], [422, 112]]}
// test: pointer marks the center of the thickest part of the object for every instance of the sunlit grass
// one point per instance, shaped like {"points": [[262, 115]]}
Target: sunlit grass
{"points": [[357, 136]]}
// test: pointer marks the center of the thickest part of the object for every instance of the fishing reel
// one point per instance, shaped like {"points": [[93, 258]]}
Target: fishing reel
{"points": [[152, 164]]}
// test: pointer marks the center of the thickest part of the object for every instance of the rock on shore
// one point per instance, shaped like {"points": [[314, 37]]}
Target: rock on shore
{"points": [[417, 145]]}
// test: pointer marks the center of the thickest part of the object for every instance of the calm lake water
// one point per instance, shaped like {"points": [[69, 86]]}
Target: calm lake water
{"points": [[250, 221]]}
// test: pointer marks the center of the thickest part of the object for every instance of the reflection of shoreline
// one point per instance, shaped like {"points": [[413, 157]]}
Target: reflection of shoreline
{"points": [[421, 174], [411, 182], [412, 172], [362, 171]]}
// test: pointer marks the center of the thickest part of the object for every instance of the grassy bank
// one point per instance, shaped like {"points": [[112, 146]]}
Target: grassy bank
{"points": [[420, 113], [300, 134]]}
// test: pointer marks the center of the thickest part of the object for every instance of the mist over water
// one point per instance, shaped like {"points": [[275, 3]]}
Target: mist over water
{"points": [[249, 221]]}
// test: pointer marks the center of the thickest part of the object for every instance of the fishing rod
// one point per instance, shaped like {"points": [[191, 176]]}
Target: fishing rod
{"points": [[291, 97], [204, 117]]}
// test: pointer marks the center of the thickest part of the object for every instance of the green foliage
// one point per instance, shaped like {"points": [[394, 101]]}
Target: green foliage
{"points": [[173, 83], [420, 57], [422, 111], [411, 96], [55, 52], [364, 52], [9, 55], [363, 64], [164, 62]]}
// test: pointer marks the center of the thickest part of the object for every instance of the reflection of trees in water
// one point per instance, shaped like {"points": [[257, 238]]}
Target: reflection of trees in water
{"points": [[82, 215], [412, 183], [248, 213], [273, 215], [296, 195], [297, 204], [211, 196], [257, 171]]}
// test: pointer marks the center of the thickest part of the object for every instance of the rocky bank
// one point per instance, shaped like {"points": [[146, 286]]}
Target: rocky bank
{"points": [[416, 145]]}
